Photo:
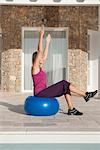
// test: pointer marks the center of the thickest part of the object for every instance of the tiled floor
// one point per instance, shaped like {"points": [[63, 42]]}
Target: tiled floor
{"points": [[13, 117]]}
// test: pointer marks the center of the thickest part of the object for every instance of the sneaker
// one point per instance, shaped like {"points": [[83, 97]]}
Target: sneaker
{"points": [[89, 95], [74, 111]]}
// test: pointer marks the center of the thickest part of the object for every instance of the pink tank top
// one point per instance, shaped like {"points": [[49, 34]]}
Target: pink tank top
{"points": [[39, 81]]}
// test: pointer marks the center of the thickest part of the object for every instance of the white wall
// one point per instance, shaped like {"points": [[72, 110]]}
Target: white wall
{"points": [[94, 61]]}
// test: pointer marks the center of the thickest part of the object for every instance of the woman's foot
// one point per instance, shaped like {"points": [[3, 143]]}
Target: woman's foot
{"points": [[89, 95], [74, 111]]}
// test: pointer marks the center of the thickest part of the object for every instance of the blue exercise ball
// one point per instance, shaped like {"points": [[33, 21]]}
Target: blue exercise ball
{"points": [[38, 106]]}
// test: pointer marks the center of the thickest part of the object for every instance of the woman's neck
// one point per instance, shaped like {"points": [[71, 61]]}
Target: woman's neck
{"points": [[40, 65]]}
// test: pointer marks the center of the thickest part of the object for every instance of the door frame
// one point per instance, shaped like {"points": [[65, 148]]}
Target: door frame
{"points": [[38, 29], [90, 64]]}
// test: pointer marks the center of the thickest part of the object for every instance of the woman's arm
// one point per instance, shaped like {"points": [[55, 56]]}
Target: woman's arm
{"points": [[35, 66], [39, 51], [41, 33], [48, 39]]}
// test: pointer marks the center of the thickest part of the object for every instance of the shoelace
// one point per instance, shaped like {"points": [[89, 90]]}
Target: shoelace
{"points": [[74, 111]]}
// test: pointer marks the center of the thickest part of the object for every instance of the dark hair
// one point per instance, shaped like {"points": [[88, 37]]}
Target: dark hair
{"points": [[34, 57]]}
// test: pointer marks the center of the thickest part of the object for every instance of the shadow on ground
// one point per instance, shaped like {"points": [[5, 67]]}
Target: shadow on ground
{"points": [[20, 108], [14, 108]]}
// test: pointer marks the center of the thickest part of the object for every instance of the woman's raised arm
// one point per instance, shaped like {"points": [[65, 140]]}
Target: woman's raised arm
{"points": [[45, 53], [41, 33]]}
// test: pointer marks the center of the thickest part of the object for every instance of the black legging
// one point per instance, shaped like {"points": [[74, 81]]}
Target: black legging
{"points": [[56, 90]]}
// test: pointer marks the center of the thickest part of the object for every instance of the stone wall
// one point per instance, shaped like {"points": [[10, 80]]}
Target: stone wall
{"points": [[77, 68], [99, 18], [11, 70], [78, 19], [16, 17]]}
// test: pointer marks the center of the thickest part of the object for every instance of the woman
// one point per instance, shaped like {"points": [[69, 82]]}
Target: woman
{"points": [[58, 89]]}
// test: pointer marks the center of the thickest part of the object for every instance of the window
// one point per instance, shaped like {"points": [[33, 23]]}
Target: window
{"points": [[56, 62]]}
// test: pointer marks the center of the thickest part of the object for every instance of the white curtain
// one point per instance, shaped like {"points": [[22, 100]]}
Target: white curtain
{"points": [[56, 62], [30, 46]]}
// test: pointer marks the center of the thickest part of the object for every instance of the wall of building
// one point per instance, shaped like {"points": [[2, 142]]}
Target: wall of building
{"points": [[0, 44], [99, 59], [99, 18], [78, 68], [11, 70], [78, 19]]}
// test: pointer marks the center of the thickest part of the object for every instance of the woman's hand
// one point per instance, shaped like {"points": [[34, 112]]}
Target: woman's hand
{"points": [[48, 39], [42, 30]]}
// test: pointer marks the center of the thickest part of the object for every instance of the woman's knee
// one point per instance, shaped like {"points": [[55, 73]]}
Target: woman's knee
{"points": [[66, 86], [65, 82]]}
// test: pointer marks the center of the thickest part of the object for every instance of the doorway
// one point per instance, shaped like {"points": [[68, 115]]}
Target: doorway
{"points": [[56, 63]]}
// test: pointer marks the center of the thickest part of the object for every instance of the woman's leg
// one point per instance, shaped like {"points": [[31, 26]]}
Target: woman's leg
{"points": [[75, 90], [69, 101], [57, 90], [86, 95], [71, 110]]}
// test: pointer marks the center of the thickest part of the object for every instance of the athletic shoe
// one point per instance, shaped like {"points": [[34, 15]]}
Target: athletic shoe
{"points": [[89, 95], [74, 111]]}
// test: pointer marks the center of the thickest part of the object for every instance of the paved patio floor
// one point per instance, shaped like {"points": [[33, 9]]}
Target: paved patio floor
{"points": [[13, 117]]}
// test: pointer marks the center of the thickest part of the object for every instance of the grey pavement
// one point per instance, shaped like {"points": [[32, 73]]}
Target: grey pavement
{"points": [[13, 117]]}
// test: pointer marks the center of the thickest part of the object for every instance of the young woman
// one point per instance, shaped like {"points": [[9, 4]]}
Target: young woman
{"points": [[58, 89]]}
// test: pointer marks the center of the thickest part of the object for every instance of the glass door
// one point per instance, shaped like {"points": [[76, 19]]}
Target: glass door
{"points": [[56, 62]]}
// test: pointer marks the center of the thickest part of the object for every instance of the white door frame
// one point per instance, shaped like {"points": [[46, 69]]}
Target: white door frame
{"points": [[38, 29]]}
